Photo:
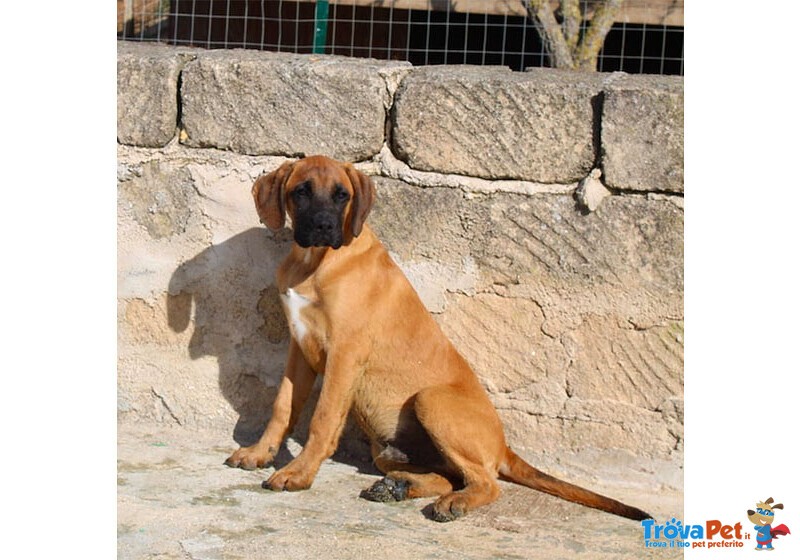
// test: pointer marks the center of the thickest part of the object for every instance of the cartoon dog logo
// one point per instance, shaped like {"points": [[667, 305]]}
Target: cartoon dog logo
{"points": [[762, 518]]}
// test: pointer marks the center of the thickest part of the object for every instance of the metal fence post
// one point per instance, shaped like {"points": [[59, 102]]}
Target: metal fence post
{"points": [[320, 26]]}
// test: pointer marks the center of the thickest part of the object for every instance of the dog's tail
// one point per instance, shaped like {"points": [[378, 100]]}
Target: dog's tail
{"points": [[514, 469]]}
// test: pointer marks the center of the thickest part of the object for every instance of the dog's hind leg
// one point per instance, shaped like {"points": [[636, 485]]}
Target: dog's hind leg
{"points": [[465, 428], [404, 480], [403, 485]]}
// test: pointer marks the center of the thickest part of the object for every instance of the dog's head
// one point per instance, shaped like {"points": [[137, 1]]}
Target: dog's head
{"points": [[327, 201], [764, 514]]}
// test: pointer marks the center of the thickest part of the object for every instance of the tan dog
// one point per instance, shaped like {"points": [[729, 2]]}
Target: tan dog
{"points": [[356, 320]]}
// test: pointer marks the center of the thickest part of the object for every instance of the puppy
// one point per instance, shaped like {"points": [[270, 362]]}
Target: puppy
{"points": [[356, 320]]}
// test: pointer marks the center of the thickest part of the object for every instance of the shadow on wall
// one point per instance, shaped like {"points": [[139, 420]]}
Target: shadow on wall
{"points": [[229, 290]]}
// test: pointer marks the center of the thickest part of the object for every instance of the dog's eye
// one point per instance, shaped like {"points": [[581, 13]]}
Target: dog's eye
{"points": [[302, 191], [340, 194]]}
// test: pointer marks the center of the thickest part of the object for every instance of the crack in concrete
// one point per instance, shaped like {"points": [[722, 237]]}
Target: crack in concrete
{"points": [[166, 406]]}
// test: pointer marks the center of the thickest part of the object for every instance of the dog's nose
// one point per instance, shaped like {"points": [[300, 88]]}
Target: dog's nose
{"points": [[324, 223]]}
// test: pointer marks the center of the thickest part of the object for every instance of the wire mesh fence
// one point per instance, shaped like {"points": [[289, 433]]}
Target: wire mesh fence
{"points": [[646, 38]]}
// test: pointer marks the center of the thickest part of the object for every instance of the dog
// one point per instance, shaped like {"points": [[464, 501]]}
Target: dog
{"points": [[356, 320]]}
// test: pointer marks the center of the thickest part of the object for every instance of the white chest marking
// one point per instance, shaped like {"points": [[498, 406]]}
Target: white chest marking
{"points": [[295, 303]]}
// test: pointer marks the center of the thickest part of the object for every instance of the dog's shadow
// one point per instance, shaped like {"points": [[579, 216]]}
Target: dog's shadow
{"points": [[227, 293]]}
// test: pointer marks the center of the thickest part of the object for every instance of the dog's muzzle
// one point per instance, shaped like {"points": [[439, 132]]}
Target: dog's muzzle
{"points": [[322, 229]]}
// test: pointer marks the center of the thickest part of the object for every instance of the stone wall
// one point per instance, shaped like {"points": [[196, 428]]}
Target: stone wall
{"points": [[539, 215]]}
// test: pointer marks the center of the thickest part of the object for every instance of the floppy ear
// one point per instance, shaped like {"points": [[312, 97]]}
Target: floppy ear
{"points": [[777, 506], [268, 195], [363, 198]]}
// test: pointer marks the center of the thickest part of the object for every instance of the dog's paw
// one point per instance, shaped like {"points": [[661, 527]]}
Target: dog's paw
{"points": [[288, 479], [250, 458], [449, 508], [386, 490]]}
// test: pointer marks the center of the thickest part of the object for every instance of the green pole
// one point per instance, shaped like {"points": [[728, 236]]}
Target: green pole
{"points": [[320, 26]]}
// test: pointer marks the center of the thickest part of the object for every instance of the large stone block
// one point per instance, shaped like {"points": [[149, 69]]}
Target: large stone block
{"points": [[280, 104], [642, 133], [493, 123], [147, 93], [624, 259], [646, 363]]}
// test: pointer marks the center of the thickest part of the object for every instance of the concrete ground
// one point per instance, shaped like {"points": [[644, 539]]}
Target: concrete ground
{"points": [[176, 499]]}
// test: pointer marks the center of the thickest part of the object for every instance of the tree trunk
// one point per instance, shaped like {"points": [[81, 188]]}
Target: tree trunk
{"points": [[563, 42], [555, 44], [586, 53]]}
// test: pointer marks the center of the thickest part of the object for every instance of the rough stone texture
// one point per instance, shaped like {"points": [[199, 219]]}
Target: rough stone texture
{"points": [[591, 192], [162, 207], [490, 122], [543, 125], [642, 133], [176, 500], [279, 104], [147, 92]]}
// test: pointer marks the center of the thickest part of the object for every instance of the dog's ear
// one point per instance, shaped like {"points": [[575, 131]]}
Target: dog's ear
{"points": [[268, 193], [363, 198]]}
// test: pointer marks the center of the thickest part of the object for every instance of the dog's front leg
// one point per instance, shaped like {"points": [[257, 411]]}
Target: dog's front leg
{"points": [[298, 380], [341, 371]]}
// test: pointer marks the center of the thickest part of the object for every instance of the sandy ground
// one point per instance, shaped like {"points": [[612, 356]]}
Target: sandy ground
{"points": [[176, 499]]}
